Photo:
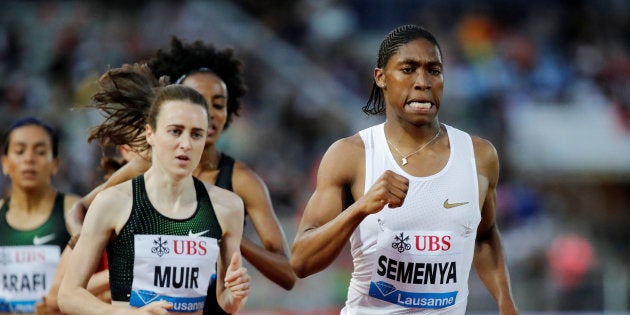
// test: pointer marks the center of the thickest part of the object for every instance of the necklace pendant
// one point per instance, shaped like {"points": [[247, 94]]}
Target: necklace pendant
{"points": [[404, 161]]}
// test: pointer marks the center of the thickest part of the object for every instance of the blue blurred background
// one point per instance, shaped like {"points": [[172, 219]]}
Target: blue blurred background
{"points": [[548, 82]]}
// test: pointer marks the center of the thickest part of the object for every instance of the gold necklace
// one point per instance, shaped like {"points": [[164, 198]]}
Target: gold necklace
{"points": [[403, 159]]}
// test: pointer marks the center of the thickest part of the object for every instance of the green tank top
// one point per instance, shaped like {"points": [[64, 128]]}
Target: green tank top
{"points": [[145, 219], [52, 232], [28, 259]]}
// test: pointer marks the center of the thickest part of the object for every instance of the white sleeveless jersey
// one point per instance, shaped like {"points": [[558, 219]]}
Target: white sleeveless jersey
{"points": [[416, 259]]}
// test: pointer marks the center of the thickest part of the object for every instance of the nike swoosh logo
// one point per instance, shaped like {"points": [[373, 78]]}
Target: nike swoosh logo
{"points": [[44, 239], [453, 205], [191, 234]]}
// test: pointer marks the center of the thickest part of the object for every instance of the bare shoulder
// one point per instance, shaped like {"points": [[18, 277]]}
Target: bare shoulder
{"points": [[244, 176], [227, 205], [350, 144], [223, 199], [485, 152], [345, 152], [487, 159], [116, 197], [119, 190], [251, 188], [110, 210]]}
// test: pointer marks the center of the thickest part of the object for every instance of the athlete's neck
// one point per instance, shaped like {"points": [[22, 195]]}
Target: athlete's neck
{"points": [[32, 200], [410, 135], [170, 196]]}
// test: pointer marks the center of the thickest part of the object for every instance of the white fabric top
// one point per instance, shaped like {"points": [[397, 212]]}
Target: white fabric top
{"points": [[176, 269], [416, 259]]}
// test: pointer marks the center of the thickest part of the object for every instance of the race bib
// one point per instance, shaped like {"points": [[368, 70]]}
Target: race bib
{"points": [[176, 269], [417, 269], [26, 273]]}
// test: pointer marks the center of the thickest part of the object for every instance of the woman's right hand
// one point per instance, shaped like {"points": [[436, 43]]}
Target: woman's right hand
{"points": [[389, 189]]}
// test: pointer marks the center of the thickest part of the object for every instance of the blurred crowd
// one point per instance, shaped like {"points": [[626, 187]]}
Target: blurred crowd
{"points": [[308, 67]]}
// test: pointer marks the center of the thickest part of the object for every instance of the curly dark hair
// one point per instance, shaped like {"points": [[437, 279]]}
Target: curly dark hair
{"points": [[184, 59]]}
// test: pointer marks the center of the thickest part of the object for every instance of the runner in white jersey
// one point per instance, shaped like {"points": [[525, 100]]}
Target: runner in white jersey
{"points": [[415, 198], [418, 255]]}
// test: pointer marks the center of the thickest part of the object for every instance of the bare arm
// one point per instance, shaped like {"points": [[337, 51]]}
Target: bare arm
{"points": [[233, 281], [100, 225], [76, 215], [98, 284], [51, 298], [271, 259], [68, 202], [489, 259], [326, 227]]}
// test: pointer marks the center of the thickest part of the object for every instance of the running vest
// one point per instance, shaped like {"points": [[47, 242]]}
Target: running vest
{"points": [[416, 259], [226, 168], [159, 258], [224, 180], [28, 259]]}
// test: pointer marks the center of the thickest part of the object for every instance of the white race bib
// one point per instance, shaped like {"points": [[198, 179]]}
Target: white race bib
{"points": [[176, 269], [26, 273], [417, 269]]}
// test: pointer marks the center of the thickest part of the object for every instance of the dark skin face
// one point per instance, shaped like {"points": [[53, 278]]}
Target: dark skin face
{"points": [[412, 83], [215, 92]]}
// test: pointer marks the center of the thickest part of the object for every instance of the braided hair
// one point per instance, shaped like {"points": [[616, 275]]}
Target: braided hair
{"points": [[389, 46], [185, 59]]}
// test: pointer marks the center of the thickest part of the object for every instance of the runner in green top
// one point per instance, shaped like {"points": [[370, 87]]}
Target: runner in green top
{"points": [[32, 225], [171, 268], [216, 74]]}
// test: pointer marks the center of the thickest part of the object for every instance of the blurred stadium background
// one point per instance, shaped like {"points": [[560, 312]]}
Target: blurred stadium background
{"points": [[548, 82]]}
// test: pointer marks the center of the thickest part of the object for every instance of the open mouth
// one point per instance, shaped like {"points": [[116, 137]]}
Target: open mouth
{"points": [[29, 173], [419, 105]]}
